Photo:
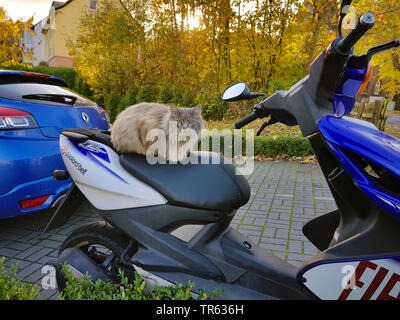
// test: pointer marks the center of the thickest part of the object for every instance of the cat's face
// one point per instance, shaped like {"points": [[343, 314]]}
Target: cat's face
{"points": [[187, 118]]}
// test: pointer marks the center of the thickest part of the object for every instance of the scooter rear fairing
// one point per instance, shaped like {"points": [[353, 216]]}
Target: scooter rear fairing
{"points": [[92, 164]]}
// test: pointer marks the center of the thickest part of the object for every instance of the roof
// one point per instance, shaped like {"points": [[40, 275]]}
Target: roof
{"points": [[59, 5]]}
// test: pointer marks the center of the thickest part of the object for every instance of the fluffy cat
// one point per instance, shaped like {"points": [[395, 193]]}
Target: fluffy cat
{"points": [[130, 130]]}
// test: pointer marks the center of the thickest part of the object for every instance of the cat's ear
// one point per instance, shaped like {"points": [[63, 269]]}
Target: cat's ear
{"points": [[197, 109]]}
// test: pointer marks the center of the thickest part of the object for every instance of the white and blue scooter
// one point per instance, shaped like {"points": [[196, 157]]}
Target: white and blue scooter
{"points": [[147, 207]]}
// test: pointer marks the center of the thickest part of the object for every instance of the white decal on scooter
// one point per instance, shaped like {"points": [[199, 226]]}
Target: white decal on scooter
{"points": [[75, 163]]}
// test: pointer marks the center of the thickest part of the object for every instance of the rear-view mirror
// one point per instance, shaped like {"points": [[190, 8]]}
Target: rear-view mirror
{"points": [[236, 92]]}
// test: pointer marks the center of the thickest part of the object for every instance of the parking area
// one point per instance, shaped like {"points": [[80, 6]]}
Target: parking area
{"points": [[285, 195]]}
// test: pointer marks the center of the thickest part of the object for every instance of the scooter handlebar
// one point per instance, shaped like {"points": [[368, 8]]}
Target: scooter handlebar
{"points": [[246, 120], [365, 23]]}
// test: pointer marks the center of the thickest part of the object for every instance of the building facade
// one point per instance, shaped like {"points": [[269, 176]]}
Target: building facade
{"points": [[49, 43]]}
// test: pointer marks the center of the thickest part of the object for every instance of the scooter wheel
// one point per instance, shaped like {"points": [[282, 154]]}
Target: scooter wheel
{"points": [[98, 240]]}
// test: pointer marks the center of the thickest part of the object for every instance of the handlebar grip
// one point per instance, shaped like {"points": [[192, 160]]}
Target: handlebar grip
{"points": [[246, 120], [365, 23]]}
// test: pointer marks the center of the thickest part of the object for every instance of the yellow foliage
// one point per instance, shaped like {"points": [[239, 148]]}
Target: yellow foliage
{"points": [[11, 48], [270, 46]]}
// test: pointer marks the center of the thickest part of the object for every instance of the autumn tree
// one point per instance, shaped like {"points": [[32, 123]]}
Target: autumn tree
{"points": [[264, 41], [270, 44], [386, 29], [12, 49], [108, 51]]}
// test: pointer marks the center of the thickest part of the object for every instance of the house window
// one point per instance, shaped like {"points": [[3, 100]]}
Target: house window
{"points": [[28, 37], [93, 5]]}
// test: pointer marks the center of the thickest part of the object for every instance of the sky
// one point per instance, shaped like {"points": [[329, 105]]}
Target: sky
{"points": [[24, 9]]}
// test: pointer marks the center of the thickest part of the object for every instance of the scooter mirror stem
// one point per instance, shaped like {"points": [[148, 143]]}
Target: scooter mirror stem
{"points": [[361, 62], [383, 47]]}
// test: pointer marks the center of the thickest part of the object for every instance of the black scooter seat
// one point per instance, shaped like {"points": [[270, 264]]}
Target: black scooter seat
{"points": [[205, 186]]}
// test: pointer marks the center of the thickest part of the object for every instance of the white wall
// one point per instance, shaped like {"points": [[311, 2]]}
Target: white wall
{"points": [[36, 43]]}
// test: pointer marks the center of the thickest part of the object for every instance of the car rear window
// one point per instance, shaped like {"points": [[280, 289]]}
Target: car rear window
{"points": [[43, 94]]}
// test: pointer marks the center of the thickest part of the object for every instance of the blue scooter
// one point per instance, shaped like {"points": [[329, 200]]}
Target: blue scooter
{"points": [[359, 242]]}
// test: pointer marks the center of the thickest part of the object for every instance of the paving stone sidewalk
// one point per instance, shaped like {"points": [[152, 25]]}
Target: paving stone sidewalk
{"points": [[393, 121], [284, 196]]}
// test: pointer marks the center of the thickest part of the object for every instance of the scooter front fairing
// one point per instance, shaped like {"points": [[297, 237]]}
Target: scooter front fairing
{"points": [[360, 247]]}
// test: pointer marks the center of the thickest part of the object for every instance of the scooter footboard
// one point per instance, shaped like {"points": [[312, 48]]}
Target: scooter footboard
{"points": [[216, 253], [265, 272]]}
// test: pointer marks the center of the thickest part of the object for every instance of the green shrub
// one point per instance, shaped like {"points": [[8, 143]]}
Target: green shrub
{"points": [[82, 87], [99, 99], [127, 100], [266, 146], [69, 75], [177, 95], [165, 95], [111, 103], [188, 100], [83, 289], [12, 289], [214, 109], [290, 146], [146, 94]]}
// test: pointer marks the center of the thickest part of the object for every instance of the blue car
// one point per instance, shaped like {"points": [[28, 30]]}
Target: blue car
{"points": [[34, 109]]}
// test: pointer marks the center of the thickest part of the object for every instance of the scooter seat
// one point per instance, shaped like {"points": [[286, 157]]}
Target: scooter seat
{"points": [[206, 186]]}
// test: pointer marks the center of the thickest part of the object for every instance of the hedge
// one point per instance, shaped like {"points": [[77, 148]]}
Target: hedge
{"points": [[265, 146], [83, 289], [13, 289], [291, 146]]}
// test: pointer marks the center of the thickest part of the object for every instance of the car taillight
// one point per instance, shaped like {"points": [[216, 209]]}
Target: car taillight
{"points": [[33, 203], [11, 119]]}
